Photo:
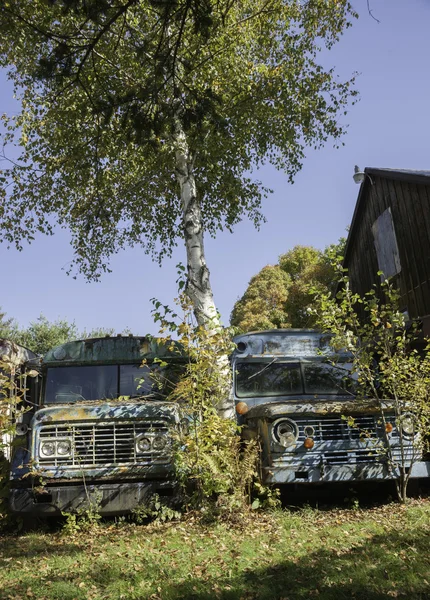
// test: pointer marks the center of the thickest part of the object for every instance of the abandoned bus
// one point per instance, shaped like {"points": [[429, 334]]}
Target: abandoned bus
{"points": [[100, 432], [298, 397]]}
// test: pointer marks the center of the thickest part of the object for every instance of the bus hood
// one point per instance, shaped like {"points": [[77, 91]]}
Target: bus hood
{"points": [[103, 410], [318, 407]]}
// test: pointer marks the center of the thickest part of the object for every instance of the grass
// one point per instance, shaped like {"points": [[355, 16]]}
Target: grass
{"points": [[371, 554]]}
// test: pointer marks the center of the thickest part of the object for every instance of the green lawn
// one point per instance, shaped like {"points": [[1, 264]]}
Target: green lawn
{"points": [[382, 552]]}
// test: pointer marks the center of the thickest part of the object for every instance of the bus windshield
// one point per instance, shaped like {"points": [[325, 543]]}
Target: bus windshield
{"points": [[292, 378], [106, 382]]}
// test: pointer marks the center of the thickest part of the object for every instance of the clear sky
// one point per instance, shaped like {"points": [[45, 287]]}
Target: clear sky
{"points": [[389, 127]]}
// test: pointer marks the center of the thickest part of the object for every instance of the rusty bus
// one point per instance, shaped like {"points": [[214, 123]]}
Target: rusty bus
{"points": [[303, 408], [100, 430]]}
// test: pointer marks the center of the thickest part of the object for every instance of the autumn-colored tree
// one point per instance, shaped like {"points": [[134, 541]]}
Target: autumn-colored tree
{"points": [[262, 305], [281, 295], [142, 119]]}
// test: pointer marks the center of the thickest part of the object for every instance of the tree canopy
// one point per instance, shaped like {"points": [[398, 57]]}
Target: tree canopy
{"points": [[280, 296], [142, 119]]}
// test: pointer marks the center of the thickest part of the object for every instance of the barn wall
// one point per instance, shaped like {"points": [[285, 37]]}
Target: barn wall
{"points": [[410, 208]]}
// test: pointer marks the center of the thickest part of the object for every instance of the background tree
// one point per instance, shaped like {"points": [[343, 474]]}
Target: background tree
{"points": [[8, 326], [141, 120], [262, 305], [42, 335], [281, 295], [98, 332]]}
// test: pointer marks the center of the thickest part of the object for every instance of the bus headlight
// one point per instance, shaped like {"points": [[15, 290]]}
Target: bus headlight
{"points": [[143, 444], [407, 423], [285, 432], [159, 442], [64, 447], [47, 448]]}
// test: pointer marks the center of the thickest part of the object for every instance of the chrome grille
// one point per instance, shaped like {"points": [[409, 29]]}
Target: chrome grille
{"points": [[333, 429], [104, 444], [338, 442]]}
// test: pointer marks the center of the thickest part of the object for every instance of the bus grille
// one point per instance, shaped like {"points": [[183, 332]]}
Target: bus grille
{"points": [[338, 429], [106, 444], [338, 441]]}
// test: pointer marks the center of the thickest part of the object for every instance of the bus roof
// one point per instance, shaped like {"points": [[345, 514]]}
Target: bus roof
{"points": [[283, 342], [113, 350]]}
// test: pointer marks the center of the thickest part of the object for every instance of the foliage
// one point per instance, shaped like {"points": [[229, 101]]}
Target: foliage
{"points": [[98, 332], [390, 367], [379, 553], [279, 296], [43, 335], [85, 519], [155, 508], [214, 467], [12, 407], [8, 326], [126, 104], [262, 305], [12, 392]]}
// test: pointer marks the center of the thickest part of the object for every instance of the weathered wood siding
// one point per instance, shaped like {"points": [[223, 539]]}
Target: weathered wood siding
{"points": [[410, 208]]}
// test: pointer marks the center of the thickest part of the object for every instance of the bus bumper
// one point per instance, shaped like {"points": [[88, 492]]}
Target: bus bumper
{"points": [[330, 473], [106, 498]]}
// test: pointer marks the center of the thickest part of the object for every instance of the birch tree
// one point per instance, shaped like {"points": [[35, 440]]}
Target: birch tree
{"points": [[142, 120]]}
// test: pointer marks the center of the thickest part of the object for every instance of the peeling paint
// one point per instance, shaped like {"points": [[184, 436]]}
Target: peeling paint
{"points": [[319, 407]]}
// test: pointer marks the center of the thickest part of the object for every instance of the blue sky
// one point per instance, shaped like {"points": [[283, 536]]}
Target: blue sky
{"points": [[389, 127]]}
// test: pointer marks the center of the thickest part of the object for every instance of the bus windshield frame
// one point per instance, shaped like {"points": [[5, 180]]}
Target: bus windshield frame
{"points": [[293, 377], [78, 383]]}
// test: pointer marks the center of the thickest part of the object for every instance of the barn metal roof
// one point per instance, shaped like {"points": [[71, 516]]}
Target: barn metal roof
{"points": [[413, 176]]}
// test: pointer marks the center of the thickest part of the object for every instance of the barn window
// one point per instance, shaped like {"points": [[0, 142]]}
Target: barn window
{"points": [[387, 250]]}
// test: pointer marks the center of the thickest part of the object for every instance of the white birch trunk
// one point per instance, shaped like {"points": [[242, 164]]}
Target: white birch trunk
{"points": [[198, 287], [198, 283]]}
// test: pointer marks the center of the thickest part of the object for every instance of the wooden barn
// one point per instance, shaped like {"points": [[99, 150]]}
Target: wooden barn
{"points": [[390, 232]]}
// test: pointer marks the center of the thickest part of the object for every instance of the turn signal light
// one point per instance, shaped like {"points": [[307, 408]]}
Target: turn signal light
{"points": [[388, 427], [241, 408], [308, 443]]}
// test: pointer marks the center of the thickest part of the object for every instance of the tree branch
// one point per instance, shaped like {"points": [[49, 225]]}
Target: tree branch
{"points": [[102, 31], [369, 10]]}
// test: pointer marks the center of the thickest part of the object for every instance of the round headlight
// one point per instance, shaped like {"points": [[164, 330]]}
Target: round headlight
{"points": [[407, 423], [159, 443], [47, 449], [285, 432], [143, 444], [64, 447]]}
